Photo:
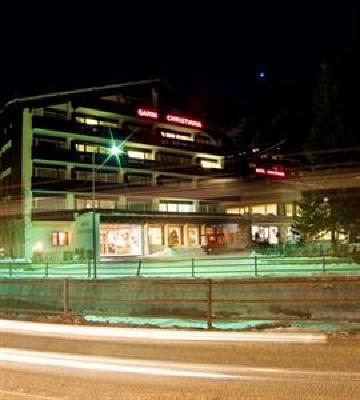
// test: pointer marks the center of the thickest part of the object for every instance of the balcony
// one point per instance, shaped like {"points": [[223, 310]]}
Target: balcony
{"points": [[48, 123]]}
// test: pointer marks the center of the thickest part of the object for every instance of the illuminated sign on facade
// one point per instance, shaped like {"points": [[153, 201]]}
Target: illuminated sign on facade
{"points": [[270, 172], [143, 112], [183, 121]]}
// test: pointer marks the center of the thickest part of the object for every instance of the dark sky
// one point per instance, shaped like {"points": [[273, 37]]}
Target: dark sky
{"points": [[209, 52]]}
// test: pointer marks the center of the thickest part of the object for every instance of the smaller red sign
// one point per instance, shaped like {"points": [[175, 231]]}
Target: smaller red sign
{"points": [[145, 113], [270, 172], [184, 121]]}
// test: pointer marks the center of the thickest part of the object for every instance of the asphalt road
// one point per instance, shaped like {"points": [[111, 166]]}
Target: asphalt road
{"points": [[38, 365]]}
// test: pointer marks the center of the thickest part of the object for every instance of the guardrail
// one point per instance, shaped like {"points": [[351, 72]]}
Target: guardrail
{"points": [[206, 267], [207, 300]]}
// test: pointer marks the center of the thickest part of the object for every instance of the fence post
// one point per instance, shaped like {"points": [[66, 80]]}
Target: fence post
{"points": [[255, 265], [89, 268], [138, 269], [46, 270], [10, 271], [192, 267], [66, 296], [323, 263], [209, 305]]}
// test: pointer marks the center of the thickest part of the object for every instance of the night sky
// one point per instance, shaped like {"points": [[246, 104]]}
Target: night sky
{"points": [[211, 54]]}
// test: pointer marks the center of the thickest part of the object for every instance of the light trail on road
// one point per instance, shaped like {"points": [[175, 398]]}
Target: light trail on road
{"points": [[107, 333], [102, 364], [166, 369]]}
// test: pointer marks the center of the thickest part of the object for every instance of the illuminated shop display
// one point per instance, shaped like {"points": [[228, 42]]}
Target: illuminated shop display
{"points": [[120, 240]]}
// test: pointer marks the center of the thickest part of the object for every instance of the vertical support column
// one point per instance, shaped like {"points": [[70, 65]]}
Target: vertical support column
{"points": [[185, 233], [166, 235], [26, 176], [144, 240], [70, 201], [209, 305], [66, 296]]}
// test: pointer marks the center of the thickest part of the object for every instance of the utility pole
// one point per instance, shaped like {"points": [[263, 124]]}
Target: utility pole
{"points": [[93, 212]]}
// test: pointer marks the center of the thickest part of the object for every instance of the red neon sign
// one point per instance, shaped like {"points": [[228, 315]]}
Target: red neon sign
{"points": [[184, 121], [143, 112], [270, 172]]}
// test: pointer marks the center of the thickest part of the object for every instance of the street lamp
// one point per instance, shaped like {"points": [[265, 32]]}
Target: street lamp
{"points": [[113, 151]]}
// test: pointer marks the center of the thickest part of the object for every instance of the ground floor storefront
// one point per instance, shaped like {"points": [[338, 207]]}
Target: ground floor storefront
{"points": [[157, 239]]}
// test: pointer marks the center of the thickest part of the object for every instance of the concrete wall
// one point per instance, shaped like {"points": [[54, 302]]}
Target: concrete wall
{"points": [[314, 298]]}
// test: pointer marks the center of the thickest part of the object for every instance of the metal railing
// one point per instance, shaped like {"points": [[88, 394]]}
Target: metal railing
{"points": [[202, 267]]}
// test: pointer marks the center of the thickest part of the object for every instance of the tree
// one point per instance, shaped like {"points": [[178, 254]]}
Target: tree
{"points": [[328, 130], [313, 217], [328, 211]]}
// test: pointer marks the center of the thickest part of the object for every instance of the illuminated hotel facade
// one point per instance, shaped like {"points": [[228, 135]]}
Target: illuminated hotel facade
{"points": [[64, 194]]}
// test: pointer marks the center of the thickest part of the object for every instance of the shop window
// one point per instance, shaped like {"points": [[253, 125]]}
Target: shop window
{"points": [[155, 236], [60, 238]]}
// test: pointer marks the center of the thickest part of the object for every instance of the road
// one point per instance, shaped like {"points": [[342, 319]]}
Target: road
{"points": [[53, 362]]}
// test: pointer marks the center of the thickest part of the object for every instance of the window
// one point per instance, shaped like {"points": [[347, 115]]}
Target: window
{"points": [[87, 203], [258, 209], [44, 172], [60, 238], [143, 180], [289, 210], [176, 207], [271, 209], [49, 202], [233, 210], [155, 235], [90, 148], [264, 209], [99, 122], [173, 158], [205, 163], [139, 154]]}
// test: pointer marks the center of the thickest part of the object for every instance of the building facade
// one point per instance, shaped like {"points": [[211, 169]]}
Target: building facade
{"points": [[65, 195]]}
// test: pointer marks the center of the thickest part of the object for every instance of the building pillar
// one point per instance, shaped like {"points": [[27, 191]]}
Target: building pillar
{"points": [[26, 178], [145, 239], [185, 235], [70, 201], [122, 203], [68, 171], [166, 235], [154, 177]]}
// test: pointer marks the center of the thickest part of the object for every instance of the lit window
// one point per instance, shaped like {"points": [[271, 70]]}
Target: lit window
{"points": [[172, 207], [136, 154], [271, 209], [91, 121], [233, 211], [185, 207], [210, 163], [244, 210], [258, 209], [60, 238], [289, 210]]}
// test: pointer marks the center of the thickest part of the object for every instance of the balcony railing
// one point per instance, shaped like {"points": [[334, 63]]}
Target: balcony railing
{"points": [[120, 134]]}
